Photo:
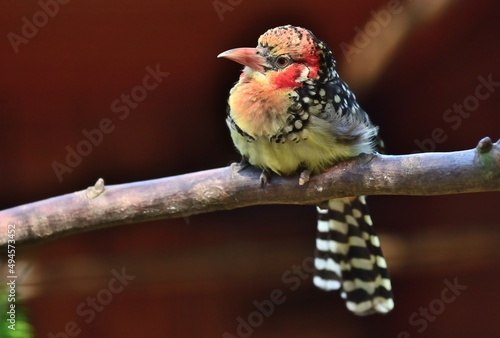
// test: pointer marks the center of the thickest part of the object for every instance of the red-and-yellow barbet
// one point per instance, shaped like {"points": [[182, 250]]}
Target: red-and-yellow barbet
{"points": [[290, 111]]}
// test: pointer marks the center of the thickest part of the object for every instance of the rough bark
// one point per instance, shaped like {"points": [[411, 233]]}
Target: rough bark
{"points": [[99, 206]]}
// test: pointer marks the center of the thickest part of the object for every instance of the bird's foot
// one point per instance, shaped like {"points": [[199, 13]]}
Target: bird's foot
{"points": [[242, 165], [304, 177], [264, 178]]}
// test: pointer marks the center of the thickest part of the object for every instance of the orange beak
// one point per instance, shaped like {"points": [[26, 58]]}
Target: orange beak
{"points": [[250, 57]]}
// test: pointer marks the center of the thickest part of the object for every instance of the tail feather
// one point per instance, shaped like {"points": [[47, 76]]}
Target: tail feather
{"points": [[349, 257]]}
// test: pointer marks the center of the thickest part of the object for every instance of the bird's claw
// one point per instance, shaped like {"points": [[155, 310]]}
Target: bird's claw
{"points": [[242, 165], [264, 178], [304, 177]]}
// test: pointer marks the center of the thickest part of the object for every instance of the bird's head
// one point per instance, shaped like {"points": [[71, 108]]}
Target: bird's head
{"points": [[286, 57]]}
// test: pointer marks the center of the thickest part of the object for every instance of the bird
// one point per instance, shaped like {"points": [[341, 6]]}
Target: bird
{"points": [[290, 112]]}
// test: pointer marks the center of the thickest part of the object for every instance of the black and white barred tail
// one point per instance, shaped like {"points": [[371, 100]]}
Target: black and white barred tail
{"points": [[349, 257]]}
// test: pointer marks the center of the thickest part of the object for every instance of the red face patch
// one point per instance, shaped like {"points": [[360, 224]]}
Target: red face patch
{"points": [[287, 78]]}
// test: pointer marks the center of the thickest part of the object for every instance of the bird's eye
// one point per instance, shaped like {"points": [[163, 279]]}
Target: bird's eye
{"points": [[282, 61]]}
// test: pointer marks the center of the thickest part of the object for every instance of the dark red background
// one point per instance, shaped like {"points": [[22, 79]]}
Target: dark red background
{"points": [[195, 277]]}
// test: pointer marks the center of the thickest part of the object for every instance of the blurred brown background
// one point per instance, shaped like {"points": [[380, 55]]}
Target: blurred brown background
{"points": [[195, 277]]}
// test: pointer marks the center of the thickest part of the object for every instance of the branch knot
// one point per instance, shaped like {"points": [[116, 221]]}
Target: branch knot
{"points": [[96, 190]]}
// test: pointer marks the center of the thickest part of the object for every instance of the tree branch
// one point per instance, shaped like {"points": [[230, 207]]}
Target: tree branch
{"points": [[100, 206]]}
